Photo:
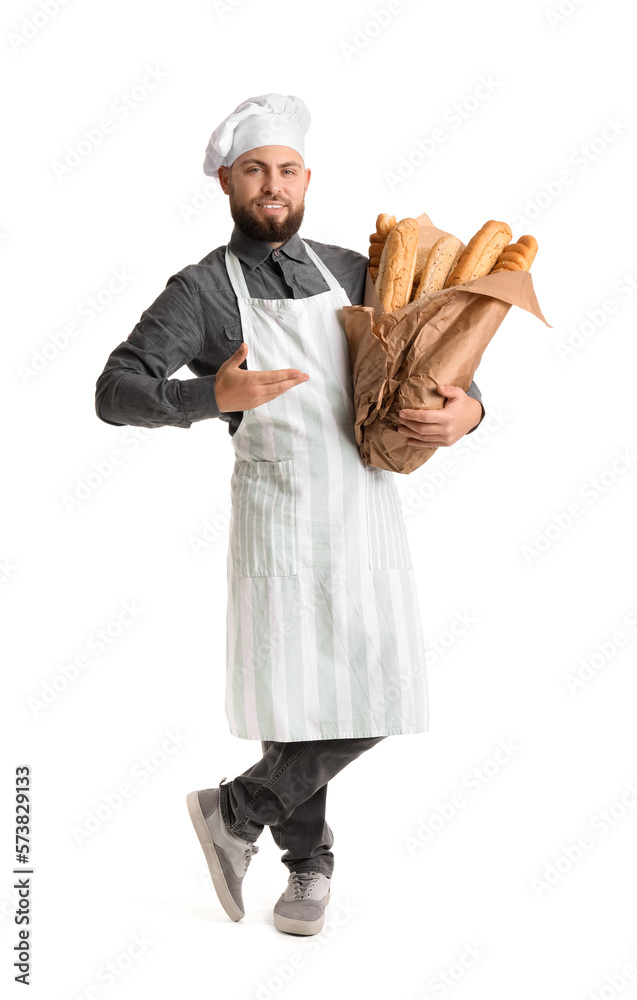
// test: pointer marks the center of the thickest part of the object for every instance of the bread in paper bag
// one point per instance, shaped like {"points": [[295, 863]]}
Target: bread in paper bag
{"points": [[398, 358]]}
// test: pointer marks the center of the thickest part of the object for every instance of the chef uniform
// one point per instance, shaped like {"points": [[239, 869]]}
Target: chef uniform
{"points": [[324, 642], [324, 647], [324, 639]]}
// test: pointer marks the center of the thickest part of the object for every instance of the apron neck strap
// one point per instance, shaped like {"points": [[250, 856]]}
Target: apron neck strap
{"points": [[329, 277], [236, 275], [238, 281]]}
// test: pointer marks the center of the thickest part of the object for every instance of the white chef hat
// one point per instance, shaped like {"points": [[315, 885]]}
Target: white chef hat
{"points": [[268, 120]]}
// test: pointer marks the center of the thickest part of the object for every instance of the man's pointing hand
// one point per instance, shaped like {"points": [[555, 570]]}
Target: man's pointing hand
{"points": [[239, 389]]}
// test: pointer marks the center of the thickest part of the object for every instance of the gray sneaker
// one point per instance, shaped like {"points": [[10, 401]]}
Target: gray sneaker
{"points": [[301, 908], [228, 856]]}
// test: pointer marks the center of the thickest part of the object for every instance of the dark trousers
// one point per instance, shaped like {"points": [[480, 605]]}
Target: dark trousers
{"points": [[287, 790]]}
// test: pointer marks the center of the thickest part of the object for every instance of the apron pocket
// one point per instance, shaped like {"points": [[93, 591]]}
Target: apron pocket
{"points": [[263, 536], [386, 535]]}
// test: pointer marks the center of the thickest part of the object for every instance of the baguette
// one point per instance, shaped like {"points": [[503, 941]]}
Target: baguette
{"points": [[397, 265], [384, 224], [481, 253], [440, 261], [517, 256]]}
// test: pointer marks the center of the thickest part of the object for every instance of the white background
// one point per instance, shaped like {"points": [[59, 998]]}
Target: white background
{"points": [[429, 861]]}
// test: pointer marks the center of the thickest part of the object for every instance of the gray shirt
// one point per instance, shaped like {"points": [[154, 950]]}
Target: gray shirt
{"points": [[195, 322]]}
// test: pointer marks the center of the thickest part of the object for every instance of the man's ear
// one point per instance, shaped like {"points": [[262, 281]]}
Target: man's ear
{"points": [[224, 174], [308, 174]]}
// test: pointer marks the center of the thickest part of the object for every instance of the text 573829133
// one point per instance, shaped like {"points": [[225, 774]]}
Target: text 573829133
{"points": [[23, 884]]}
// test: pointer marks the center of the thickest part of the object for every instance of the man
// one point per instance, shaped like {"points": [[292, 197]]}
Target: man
{"points": [[324, 646]]}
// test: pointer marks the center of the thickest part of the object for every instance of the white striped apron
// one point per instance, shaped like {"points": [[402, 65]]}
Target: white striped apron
{"points": [[324, 638]]}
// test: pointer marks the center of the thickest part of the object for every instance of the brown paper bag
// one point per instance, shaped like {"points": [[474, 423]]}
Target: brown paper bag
{"points": [[398, 358]]}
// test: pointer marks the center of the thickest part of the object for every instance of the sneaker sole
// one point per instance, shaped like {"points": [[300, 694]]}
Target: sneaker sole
{"points": [[212, 858], [290, 926]]}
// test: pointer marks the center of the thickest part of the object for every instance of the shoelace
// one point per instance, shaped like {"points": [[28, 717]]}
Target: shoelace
{"points": [[249, 852], [302, 883]]}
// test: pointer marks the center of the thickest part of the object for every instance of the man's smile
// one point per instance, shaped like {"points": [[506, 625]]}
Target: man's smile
{"points": [[270, 207]]}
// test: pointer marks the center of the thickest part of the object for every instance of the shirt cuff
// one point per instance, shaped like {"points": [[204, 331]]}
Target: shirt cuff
{"points": [[198, 398]]}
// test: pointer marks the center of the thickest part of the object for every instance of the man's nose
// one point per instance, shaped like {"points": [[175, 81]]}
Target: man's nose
{"points": [[271, 183]]}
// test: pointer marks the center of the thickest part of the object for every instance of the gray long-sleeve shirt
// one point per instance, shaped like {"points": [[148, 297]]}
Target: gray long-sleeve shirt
{"points": [[195, 322]]}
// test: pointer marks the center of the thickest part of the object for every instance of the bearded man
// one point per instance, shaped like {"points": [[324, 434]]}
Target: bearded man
{"points": [[324, 647]]}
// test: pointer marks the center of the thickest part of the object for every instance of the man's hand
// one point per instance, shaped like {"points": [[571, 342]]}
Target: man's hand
{"points": [[239, 389], [433, 428]]}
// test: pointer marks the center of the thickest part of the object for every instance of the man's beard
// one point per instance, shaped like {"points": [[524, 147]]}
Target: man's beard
{"points": [[268, 229]]}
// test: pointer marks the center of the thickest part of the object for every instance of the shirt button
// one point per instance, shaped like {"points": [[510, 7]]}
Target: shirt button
{"points": [[276, 254]]}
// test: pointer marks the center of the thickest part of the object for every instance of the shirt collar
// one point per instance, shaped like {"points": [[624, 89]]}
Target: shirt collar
{"points": [[254, 252]]}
